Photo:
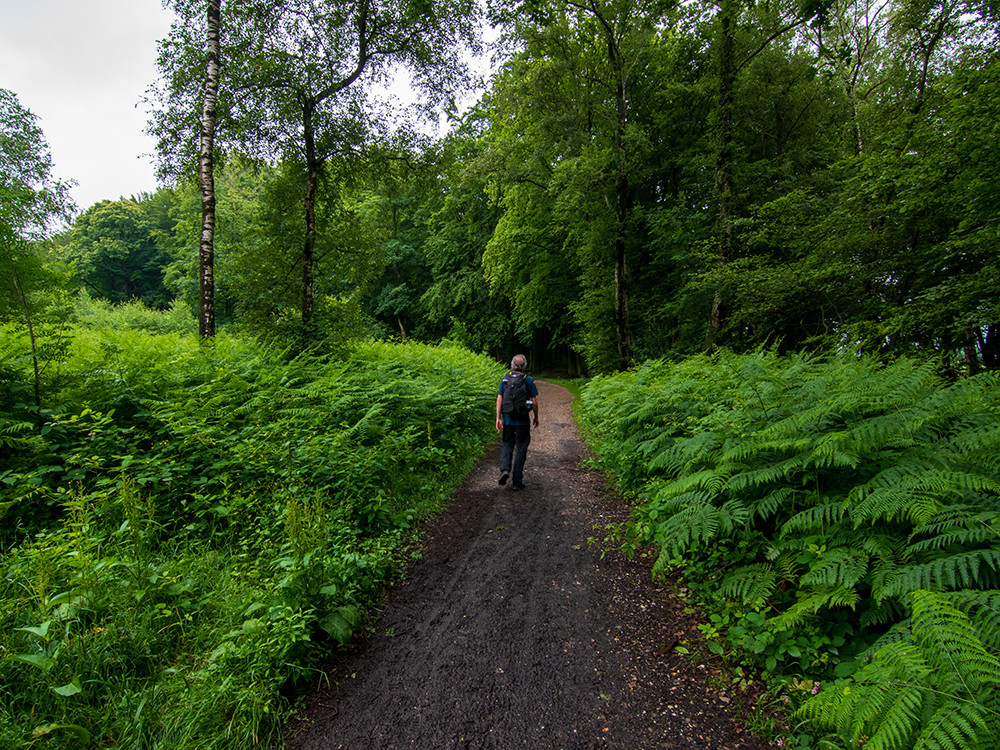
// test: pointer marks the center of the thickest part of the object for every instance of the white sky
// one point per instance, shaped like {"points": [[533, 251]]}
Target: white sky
{"points": [[82, 66]]}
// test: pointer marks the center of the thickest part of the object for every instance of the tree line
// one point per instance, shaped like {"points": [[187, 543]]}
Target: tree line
{"points": [[637, 179]]}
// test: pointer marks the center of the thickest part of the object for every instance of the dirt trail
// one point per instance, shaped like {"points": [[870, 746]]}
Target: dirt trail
{"points": [[511, 631]]}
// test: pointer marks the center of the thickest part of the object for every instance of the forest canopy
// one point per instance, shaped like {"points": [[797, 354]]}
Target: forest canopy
{"points": [[637, 179]]}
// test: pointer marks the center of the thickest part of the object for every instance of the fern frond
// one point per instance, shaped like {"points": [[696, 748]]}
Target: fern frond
{"points": [[698, 521], [884, 546], [742, 451], [671, 455], [958, 726], [669, 504], [900, 632], [707, 480], [974, 442], [957, 527], [983, 607], [768, 474], [946, 635], [973, 569], [915, 492], [815, 518], [812, 603], [885, 698], [898, 716], [749, 583], [770, 503], [840, 566], [786, 566], [880, 432], [831, 451], [896, 504], [17, 434]]}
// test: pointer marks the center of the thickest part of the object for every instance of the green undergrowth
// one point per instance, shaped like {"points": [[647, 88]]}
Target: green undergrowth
{"points": [[839, 522], [188, 527]]}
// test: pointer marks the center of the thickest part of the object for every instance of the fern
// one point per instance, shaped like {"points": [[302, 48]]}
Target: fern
{"points": [[852, 483], [841, 566], [962, 525], [749, 583], [815, 518], [958, 725], [934, 686], [946, 634], [709, 481], [974, 569], [698, 523], [769, 505], [813, 602]]}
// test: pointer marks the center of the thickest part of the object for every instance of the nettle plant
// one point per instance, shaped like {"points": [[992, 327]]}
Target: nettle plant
{"points": [[825, 510]]}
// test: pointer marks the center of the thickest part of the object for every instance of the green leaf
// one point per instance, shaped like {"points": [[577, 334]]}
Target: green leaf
{"points": [[44, 663], [41, 631], [70, 688]]}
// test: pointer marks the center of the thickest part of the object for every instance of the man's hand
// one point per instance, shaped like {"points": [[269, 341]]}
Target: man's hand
{"points": [[500, 423]]}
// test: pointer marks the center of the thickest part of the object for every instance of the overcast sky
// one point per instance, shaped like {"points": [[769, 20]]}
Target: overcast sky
{"points": [[82, 66]]}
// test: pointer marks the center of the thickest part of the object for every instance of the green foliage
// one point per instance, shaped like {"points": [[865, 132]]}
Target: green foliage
{"points": [[934, 688], [206, 519], [30, 198], [114, 247], [834, 494]]}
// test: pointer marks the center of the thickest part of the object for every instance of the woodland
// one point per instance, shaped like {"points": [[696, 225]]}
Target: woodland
{"points": [[763, 235]]}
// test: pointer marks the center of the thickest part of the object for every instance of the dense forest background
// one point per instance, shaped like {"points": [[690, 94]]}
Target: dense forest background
{"points": [[768, 230], [638, 179]]}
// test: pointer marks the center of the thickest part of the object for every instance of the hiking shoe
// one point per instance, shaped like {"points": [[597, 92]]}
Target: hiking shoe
{"points": [[503, 477], [517, 487]]}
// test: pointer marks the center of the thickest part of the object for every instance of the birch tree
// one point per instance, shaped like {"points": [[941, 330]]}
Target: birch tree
{"points": [[206, 174], [296, 77]]}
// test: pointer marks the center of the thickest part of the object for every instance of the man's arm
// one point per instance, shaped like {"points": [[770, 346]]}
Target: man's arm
{"points": [[499, 418], [534, 408]]}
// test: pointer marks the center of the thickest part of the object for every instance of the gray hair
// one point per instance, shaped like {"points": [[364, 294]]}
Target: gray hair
{"points": [[519, 363]]}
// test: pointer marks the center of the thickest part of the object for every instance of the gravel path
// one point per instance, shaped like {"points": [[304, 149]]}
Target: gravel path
{"points": [[512, 631]]}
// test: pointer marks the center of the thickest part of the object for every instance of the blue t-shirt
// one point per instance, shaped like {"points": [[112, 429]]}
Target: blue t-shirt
{"points": [[510, 418]]}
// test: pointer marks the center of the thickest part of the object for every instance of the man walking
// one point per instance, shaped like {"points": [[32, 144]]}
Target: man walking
{"points": [[516, 402]]}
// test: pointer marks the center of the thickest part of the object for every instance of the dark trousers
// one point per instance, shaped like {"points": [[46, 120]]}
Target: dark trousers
{"points": [[515, 446]]}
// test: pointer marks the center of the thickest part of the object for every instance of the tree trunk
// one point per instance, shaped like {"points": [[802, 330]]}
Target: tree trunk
{"points": [[623, 328], [31, 335], [989, 345], [206, 254], [313, 165], [724, 161], [971, 351]]}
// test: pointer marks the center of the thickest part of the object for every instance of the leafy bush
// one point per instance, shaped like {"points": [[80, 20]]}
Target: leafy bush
{"points": [[213, 514], [811, 502]]}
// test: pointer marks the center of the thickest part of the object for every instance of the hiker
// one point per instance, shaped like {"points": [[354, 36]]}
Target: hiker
{"points": [[516, 402]]}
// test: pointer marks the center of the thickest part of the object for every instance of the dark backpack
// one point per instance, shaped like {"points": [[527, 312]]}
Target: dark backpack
{"points": [[515, 394]]}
